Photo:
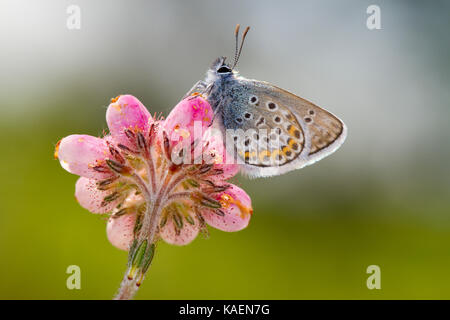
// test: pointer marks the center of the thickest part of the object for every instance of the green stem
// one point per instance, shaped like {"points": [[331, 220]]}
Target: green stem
{"points": [[141, 254]]}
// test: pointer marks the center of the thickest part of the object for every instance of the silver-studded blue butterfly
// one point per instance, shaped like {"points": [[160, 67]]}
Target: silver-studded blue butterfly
{"points": [[304, 133]]}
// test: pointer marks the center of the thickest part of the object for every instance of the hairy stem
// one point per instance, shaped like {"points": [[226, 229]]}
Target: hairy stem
{"points": [[136, 270], [127, 288]]}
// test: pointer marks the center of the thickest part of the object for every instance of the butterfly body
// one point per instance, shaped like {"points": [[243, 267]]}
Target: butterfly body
{"points": [[272, 130]]}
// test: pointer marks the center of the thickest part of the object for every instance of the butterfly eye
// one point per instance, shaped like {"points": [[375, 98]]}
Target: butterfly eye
{"points": [[224, 69]]}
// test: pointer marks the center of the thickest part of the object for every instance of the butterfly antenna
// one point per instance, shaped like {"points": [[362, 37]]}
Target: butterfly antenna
{"points": [[236, 59], [236, 36]]}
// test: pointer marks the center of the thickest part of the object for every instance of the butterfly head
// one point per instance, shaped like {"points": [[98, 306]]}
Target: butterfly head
{"points": [[219, 68]]}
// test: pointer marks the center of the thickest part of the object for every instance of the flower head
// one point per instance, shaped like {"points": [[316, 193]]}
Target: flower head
{"points": [[156, 178]]}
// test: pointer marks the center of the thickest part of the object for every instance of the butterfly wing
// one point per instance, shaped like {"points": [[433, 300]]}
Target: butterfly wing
{"points": [[299, 133]]}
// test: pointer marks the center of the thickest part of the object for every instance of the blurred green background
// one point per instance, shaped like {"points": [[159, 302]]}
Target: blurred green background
{"points": [[383, 198]]}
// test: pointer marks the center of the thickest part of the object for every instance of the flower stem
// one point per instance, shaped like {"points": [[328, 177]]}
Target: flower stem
{"points": [[127, 288], [142, 251]]}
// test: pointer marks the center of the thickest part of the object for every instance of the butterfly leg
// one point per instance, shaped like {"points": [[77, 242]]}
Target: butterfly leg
{"points": [[216, 112], [198, 88]]}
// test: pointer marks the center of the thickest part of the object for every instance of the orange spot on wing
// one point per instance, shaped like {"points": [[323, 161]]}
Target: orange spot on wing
{"points": [[250, 154], [263, 154], [275, 153], [292, 142], [286, 149], [292, 130]]}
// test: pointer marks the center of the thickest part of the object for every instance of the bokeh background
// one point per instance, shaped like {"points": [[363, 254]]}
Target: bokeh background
{"points": [[383, 198]]}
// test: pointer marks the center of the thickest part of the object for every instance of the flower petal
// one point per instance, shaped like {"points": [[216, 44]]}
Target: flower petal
{"points": [[236, 205], [79, 154], [187, 234], [216, 153], [127, 112], [90, 198], [229, 171], [120, 230], [188, 114]]}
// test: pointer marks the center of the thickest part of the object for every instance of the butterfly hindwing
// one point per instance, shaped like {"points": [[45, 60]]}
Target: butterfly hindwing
{"points": [[299, 133]]}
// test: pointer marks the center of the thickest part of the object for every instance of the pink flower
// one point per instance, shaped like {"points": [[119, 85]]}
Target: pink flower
{"points": [[155, 178]]}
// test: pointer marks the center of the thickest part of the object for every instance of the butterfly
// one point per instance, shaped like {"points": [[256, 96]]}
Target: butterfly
{"points": [[271, 130]]}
